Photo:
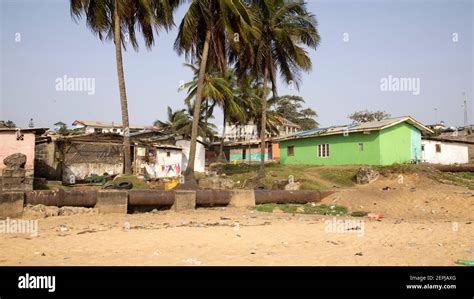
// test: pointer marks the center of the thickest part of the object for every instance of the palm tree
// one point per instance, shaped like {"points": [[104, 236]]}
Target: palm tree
{"points": [[207, 30], [219, 88], [285, 27], [118, 20], [175, 122], [180, 122]]}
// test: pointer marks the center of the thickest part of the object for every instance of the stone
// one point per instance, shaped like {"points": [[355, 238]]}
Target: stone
{"points": [[216, 183], [184, 200], [366, 175], [279, 184], [11, 204], [293, 186], [15, 161], [40, 211]]}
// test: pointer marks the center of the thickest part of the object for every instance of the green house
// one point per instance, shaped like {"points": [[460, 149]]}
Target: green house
{"points": [[385, 142]]}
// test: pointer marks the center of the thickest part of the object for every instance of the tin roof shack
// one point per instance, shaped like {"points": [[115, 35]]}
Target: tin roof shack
{"points": [[81, 156], [384, 142], [12, 141], [437, 150]]}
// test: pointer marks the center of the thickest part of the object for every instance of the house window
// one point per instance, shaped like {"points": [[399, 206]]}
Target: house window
{"points": [[323, 150], [438, 148], [168, 154], [290, 151], [361, 147], [97, 130], [422, 148]]}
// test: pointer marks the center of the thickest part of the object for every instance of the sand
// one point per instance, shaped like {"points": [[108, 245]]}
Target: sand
{"points": [[429, 225]]}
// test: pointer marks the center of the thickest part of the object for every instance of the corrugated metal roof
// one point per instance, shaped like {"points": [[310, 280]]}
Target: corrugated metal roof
{"points": [[105, 124], [357, 127]]}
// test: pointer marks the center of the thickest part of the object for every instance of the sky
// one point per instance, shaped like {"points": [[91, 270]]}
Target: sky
{"points": [[366, 48]]}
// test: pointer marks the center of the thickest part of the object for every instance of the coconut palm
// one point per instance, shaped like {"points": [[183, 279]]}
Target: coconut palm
{"points": [[208, 29], [117, 20], [285, 27]]}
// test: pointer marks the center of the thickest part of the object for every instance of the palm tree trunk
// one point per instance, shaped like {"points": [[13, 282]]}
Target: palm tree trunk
{"points": [[221, 150], [263, 126], [189, 173], [123, 95]]}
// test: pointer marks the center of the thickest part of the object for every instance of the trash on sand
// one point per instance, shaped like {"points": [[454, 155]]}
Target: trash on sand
{"points": [[465, 262], [375, 215], [156, 252], [193, 261], [387, 188], [359, 253]]}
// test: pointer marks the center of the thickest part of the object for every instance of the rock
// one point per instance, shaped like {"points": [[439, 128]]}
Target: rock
{"points": [[366, 175], [15, 161], [216, 183], [67, 211], [279, 184], [293, 186], [359, 253], [40, 211]]}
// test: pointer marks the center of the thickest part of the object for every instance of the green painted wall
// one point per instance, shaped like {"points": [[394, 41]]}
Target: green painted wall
{"points": [[342, 150], [415, 144], [397, 144]]}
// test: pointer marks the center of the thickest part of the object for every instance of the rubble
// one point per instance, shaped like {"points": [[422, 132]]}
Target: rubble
{"points": [[366, 175]]}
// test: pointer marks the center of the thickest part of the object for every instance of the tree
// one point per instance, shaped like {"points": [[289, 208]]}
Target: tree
{"points": [[7, 124], [285, 27], [367, 116], [291, 108], [221, 88], [205, 27], [180, 122], [118, 20]]}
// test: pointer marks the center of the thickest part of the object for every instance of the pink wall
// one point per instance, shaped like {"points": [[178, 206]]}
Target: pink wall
{"points": [[9, 145]]}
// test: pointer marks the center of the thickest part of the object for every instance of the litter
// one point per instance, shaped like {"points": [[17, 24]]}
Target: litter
{"points": [[375, 215]]}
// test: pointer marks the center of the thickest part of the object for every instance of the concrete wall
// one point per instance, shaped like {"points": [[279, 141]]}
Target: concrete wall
{"points": [[451, 153], [46, 163], [199, 162], [9, 145], [83, 170]]}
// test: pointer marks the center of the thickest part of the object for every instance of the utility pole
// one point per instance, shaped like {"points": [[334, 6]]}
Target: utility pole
{"points": [[465, 109]]}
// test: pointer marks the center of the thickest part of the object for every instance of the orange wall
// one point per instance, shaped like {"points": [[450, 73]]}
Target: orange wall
{"points": [[276, 151], [9, 145]]}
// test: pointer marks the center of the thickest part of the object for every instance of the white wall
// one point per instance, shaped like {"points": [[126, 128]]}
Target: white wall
{"points": [[199, 162], [451, 153]]}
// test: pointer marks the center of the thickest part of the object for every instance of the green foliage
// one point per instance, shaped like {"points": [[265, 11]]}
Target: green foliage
{"points": [[308, 208], [342, 177], [368, 116], [359, 214], [323, 209], [7, 124], [291, 108], [137, 183]]}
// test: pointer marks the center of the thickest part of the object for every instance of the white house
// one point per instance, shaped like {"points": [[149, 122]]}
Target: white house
{"points": [[444, 151], [90, 127], [160, 161], [199, 162]]}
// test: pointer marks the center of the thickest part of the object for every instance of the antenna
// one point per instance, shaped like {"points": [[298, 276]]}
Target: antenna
{"points": [[465, 109]]}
